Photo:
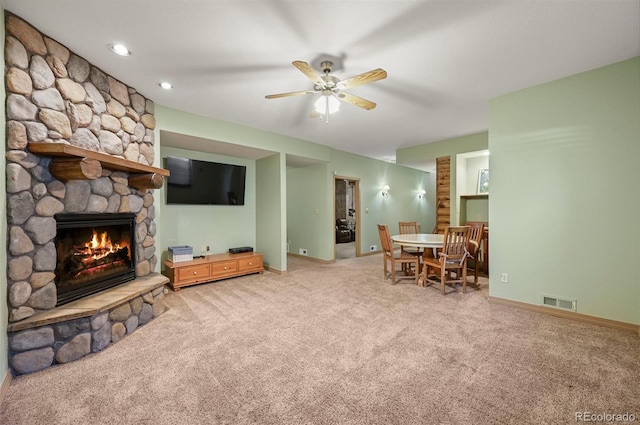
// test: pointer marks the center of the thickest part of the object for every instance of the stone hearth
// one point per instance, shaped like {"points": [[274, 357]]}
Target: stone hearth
{"points": [[85, 326]]}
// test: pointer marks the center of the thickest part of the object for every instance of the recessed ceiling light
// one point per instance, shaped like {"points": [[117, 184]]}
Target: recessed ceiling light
{"points": [[120, 49], [166, 85]]}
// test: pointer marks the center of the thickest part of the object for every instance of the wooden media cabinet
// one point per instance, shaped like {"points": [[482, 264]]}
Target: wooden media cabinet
{"points": [[212, 267]]}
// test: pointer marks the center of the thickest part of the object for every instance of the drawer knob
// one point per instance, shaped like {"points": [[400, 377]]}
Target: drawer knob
{"points": [[195, 272], [225, 267], [250, 263]]}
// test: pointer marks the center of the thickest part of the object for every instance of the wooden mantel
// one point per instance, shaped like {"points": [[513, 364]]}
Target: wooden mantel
{"points": [[72, 162]]}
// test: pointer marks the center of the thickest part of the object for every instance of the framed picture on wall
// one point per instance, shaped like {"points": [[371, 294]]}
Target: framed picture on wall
{"points": [[483, 181]]}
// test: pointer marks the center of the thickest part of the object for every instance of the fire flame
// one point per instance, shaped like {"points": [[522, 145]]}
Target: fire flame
{"points": [[100, 246]]}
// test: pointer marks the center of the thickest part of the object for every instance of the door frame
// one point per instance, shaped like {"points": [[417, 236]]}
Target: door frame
{"points": [[356, 203]]}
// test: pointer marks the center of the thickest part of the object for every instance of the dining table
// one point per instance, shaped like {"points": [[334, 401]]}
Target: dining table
{"points": [[425, 241], [420, 240]]}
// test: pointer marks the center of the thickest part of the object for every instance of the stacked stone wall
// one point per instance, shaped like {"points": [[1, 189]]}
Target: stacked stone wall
{"points": [[41, 347], [56, 96]]}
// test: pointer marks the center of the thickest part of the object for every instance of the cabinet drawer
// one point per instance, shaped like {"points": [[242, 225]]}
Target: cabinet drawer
{"points": [[224, 267], [250, 263], [197, 272]]}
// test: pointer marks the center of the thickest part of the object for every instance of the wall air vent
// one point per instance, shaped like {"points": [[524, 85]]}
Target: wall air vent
{"points": [[561, 303]]}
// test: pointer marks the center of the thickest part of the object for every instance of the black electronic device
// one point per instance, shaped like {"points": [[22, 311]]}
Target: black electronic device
{"points": [[205, 183], [240, 249]]}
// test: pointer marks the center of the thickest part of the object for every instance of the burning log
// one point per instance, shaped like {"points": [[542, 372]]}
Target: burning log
{"points": [[83, 263], [89, 252]]}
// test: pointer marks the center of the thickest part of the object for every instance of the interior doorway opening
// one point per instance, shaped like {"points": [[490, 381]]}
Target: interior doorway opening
{"points": [[346, 217]]}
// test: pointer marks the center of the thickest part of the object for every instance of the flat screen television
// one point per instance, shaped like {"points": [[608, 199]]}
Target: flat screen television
{"points": [[196, 182]]}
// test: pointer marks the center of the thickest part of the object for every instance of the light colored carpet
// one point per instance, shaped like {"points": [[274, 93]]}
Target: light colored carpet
{"points": [[336, 344], [345, 250]]}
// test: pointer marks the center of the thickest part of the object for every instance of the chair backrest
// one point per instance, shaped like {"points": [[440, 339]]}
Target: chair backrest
{"points": [[456, 239], [385, 239], [408, 227], [342, 224], [475, 235]]}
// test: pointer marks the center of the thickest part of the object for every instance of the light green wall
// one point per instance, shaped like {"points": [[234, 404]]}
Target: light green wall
{"points": [[449, 147], [209, 128], [181, 122], [219, 226], [473, 167], [4, 312], [565, 205], [308, 222], [310, 193], [271, 217], [467, 184], [309, 211], [477, 210], [401, 205]]}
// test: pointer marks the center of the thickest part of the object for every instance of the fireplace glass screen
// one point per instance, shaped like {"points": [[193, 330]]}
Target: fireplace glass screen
{"points": [[95, 252]]}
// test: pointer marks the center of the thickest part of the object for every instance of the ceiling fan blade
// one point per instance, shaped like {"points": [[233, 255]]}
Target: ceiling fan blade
{"points": [[356, 100], [367, 77], [293, 93], [308, 71]]}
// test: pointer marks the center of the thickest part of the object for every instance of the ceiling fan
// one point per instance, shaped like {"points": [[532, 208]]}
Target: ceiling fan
{"points": [[332, 88]]}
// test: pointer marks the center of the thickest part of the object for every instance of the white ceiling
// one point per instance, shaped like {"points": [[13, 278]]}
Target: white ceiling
{"points": [[444, 59]]}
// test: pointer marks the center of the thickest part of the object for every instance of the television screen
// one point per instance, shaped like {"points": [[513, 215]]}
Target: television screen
{"points": [[204, 183]]}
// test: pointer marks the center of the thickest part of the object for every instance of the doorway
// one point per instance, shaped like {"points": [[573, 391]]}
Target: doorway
{"points": [[346, 208]]}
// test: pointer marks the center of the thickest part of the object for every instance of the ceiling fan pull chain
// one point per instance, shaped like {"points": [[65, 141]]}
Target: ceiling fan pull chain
{"points": [[326, 111]]}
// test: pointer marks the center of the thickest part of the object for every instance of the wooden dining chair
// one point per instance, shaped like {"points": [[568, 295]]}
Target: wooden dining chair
{"points": [[452, 258], [389, 255], [476, 233], [405, 228]]}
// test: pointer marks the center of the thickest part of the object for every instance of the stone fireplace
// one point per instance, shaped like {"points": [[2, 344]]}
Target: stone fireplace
{"points": [[79, 148]]}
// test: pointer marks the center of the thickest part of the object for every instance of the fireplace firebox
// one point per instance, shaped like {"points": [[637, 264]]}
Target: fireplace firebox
{"points": [[94, 252]]}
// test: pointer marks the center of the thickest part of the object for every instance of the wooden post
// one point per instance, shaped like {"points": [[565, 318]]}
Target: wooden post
{"points": [[75, 168], [443, 193], [146, 181]]}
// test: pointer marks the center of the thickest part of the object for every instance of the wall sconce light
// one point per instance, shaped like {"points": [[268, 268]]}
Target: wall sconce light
{"points": [[385, 190], [421, 194]]}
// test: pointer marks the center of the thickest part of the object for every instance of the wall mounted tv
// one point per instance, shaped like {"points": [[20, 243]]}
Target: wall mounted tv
{"points": [[204, 183]]}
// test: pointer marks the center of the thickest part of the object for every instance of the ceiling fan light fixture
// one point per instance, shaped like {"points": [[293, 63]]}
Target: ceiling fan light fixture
{"points": [[331, 88], [327, 104]]}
